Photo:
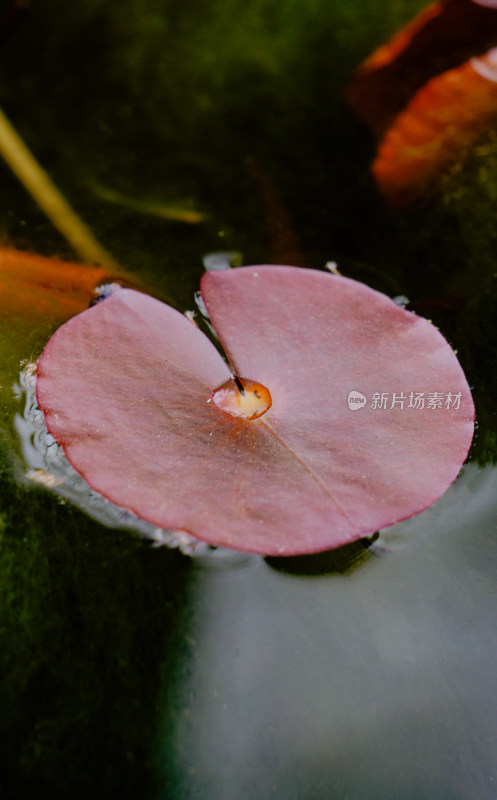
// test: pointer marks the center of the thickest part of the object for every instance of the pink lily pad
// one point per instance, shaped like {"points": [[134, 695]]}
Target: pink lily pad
{"points": [[370, 422]]}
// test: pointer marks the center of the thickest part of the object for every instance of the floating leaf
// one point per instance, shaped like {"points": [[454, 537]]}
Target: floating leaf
{"points": [[371, 415]]}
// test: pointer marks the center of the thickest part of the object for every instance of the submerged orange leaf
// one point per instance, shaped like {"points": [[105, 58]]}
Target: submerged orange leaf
{"points": [[37, 294], [441, 37], [443, 120], [34, 287]]}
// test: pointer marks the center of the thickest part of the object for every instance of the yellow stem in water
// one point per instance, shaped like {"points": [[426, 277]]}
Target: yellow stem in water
{"points": [[40, 186]]}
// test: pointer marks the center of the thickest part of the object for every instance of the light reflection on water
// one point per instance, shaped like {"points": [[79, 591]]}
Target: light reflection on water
{"points": [[296, 686], [472, 493]]}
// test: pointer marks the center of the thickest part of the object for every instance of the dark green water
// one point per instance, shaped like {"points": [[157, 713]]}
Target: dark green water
{"points": [[131, 671]]}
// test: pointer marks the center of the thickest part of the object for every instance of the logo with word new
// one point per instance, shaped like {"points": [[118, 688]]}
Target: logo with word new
{"points": [[356, 400]]}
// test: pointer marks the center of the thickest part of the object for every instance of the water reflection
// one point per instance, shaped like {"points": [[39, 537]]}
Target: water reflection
{"points": [[222, 259], [296, 687]]}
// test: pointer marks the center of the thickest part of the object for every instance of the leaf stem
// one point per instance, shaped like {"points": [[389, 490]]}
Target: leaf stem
{"points": [[41, 188], [239, 385]]}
